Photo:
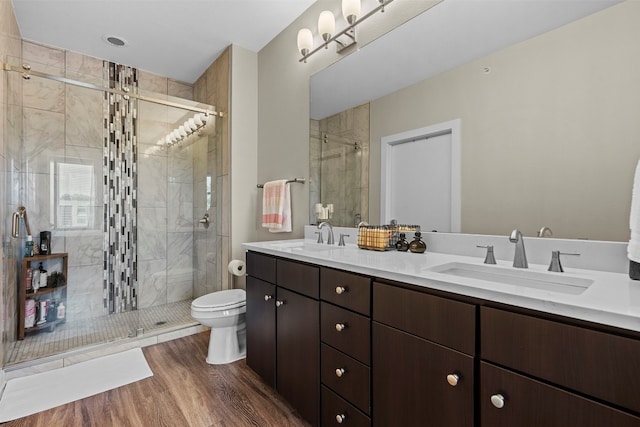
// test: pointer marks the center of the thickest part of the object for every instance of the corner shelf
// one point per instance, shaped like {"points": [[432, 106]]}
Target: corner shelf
{"points": [[23, 295]]}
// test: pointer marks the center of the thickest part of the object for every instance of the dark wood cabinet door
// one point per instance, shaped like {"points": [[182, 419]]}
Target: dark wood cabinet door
{"points": [[410, 384], [261, 329], [298, 353], [508, 399]]}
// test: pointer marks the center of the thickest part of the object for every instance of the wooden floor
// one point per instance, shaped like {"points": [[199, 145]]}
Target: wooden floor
{"points": [[184, 391]]}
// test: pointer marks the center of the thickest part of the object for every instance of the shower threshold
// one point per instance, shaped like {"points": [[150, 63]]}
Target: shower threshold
{"points": [[81, 336]]}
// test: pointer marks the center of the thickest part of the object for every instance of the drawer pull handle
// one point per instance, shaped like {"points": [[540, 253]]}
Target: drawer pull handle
{"points": [[279, 303], [497, 400], [267, 297], [341, 327], [340, 418], [453, 379], [341, 290], [340, 372]]}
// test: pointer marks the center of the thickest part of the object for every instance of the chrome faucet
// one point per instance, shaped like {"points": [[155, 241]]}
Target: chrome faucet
{"points": [[520, 257], [330, 239], [545, 231]]}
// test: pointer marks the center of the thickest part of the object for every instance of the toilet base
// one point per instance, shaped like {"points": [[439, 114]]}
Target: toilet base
{"points": [[227, 345]]}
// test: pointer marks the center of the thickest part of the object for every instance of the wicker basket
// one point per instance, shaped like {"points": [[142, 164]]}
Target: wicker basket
{"points": [[382, 237]]}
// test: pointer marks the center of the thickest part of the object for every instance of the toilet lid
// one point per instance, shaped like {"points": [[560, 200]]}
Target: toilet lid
{"points": [[231, 297]]}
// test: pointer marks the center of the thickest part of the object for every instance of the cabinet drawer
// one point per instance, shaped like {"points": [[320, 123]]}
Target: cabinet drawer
{"points": [[447, 322], [529, 403], [333, 407], [596, 363], [354, 336], [347, 377], [261, 266], [347, 290], [298, 277]]}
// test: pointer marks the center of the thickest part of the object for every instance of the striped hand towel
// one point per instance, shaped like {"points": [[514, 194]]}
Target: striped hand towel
{"points": [[276, 206]]}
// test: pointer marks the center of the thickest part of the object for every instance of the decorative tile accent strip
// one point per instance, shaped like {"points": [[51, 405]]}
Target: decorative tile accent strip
{"points": [[120, 190]]}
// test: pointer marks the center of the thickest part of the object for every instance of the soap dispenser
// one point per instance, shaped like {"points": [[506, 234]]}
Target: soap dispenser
{"points": [[402, 245], [418, 246]]}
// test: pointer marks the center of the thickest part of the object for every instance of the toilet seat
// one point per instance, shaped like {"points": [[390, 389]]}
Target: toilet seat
{"points": [[220, 300]]}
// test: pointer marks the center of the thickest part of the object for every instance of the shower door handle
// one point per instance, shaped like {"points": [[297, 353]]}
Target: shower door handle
{"points": [[15, 224]]}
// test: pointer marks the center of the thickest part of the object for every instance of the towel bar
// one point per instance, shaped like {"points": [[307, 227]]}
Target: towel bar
{"points": [[298, 180]]}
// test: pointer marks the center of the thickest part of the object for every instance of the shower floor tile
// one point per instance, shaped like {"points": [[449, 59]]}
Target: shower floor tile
{"points": [[75, 334]]}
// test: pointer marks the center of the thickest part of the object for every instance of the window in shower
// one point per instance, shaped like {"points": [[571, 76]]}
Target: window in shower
{"points": [[75, 196]]}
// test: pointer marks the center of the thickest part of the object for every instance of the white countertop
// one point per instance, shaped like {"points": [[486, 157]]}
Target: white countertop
{"points": [[613, 299]]}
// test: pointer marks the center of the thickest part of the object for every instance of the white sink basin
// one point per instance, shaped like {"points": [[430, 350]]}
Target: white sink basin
{"points": [[300, 245], [555, 282]]}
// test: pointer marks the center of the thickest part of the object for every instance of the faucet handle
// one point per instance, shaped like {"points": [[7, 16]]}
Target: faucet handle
{"points": [[341, 241], [489, 258], [320, 241], [555, 264]]}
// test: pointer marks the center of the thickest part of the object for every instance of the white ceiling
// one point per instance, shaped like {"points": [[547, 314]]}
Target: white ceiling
{"points": [[450, 34], [173, 38], [181, 38]]}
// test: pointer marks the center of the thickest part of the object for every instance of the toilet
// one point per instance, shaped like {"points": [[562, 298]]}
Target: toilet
{"points": [[224, 313]]}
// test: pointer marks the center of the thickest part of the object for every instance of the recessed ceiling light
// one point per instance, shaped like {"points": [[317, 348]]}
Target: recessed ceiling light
{"points": [[114, 40]]}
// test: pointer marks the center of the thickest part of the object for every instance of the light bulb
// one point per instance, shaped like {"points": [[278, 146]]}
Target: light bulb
{"points": [[182, 131], [326, 25], [305, 41], [351, 10], [197, 119]]}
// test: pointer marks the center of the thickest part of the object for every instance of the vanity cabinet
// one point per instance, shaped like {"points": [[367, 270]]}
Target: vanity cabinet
{"points": [[283, 329], [423, 349], [348, 349], [345, 326], [537, 371]]}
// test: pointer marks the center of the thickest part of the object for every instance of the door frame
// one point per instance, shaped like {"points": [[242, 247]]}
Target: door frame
{"points": [[452, 127]]}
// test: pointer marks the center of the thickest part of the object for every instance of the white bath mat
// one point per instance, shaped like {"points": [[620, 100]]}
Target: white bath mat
{"points": [[34, 393]]}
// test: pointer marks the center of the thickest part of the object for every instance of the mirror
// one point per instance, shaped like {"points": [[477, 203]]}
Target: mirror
{"points": [[549, 129]]}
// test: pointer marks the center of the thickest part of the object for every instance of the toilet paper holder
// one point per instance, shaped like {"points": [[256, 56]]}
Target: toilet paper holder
{"points": [[237, 267]]}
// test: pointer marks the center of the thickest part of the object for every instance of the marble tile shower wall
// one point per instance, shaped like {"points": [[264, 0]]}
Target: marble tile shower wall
{"points": [[63, 124], [342, 170], [212, 243]]}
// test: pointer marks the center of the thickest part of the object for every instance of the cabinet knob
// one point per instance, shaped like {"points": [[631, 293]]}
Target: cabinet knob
{"points": [[340, 418], [497, 400], [340, 290], [279, 303], [340, 372], [340, 327], [267, 297], [453, 379]]}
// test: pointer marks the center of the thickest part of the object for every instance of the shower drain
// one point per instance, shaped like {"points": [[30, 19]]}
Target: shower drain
{"points": [[160, 323]]}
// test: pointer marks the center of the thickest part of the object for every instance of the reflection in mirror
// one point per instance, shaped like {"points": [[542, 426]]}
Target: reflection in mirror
{"points": [[339, 167], [549, 129]]}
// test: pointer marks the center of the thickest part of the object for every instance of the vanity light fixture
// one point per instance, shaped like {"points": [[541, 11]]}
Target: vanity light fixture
{"points": [[327, 27]]}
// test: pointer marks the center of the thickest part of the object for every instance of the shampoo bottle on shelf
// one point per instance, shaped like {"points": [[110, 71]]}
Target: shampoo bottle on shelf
{"points": [[61, 310], [43, 276], [29, 246]]}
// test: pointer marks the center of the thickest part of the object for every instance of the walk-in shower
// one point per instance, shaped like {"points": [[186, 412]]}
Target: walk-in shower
{"points": [[120, 172]]}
